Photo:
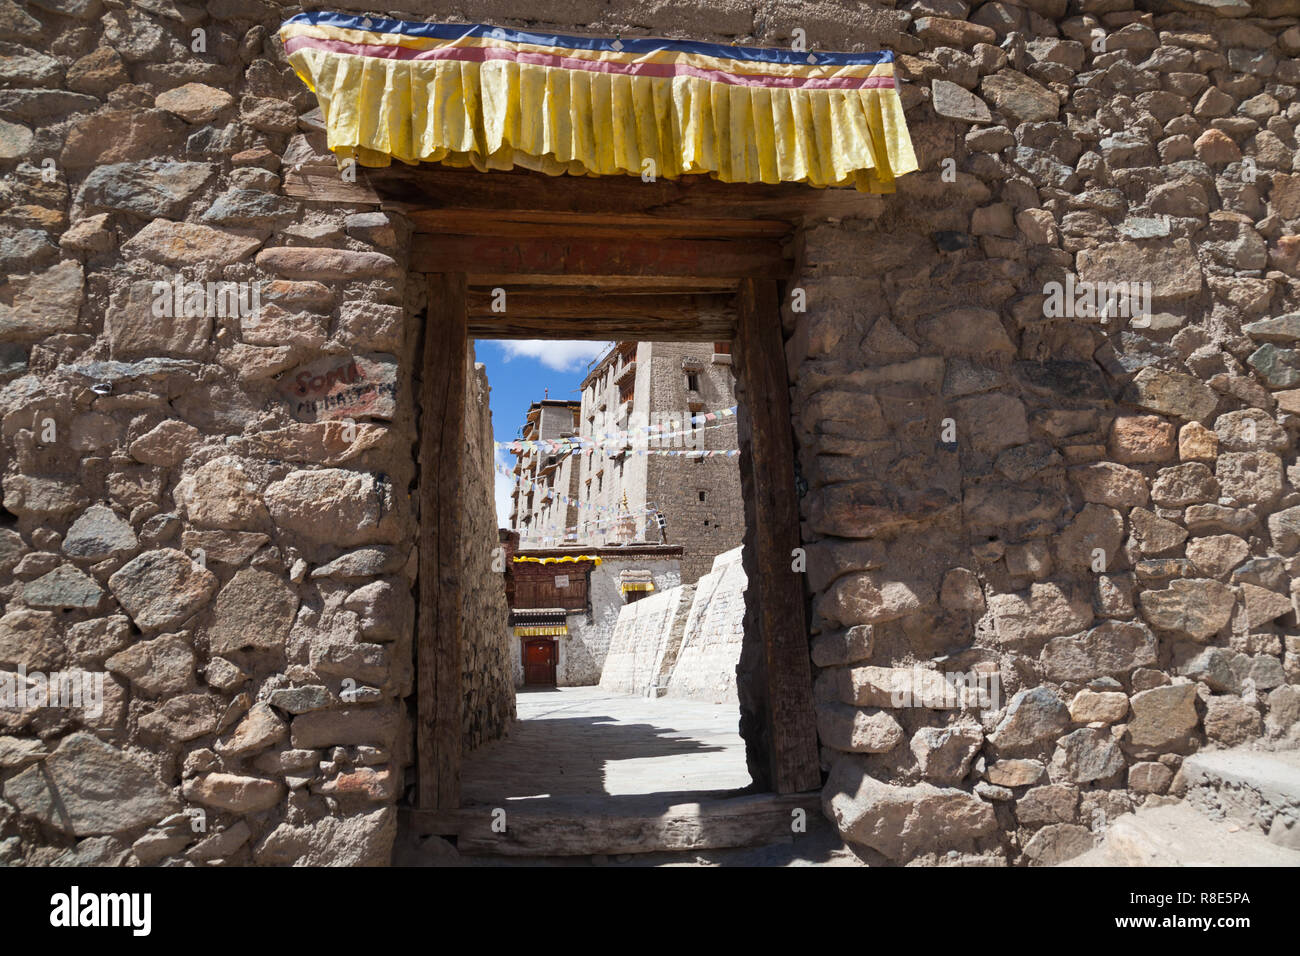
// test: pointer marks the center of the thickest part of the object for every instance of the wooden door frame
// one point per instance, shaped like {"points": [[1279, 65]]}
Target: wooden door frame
{"points": [[687, 266], [444, 381], [779, 719]]}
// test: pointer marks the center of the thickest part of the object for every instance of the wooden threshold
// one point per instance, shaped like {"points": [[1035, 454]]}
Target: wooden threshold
{"points": [[612, 825]]}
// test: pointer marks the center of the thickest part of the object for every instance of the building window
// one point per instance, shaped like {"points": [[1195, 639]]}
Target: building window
{"points": [[703, 495], [692, 382]]}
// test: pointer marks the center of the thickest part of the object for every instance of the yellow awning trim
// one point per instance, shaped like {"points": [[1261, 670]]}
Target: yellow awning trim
{"points": [[636, 586], [548, 630], [480, 96], [580, 557]]}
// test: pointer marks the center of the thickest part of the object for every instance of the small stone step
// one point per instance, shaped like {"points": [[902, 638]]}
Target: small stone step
{"points": [[1177, 835], [1256, 789], [639, 823]]}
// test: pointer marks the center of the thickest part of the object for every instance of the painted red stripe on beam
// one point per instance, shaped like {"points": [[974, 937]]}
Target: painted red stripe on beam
{"points": [[483, 54]]}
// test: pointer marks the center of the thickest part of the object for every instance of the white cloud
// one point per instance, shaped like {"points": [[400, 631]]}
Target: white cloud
{"points": [[565, 356]]}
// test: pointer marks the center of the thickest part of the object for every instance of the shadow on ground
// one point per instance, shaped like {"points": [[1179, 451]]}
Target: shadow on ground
{"points": [[569, 756], [582, 741]]}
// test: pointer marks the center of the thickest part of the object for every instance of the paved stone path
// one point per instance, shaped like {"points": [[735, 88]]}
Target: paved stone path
{"points": [[584, 741]]}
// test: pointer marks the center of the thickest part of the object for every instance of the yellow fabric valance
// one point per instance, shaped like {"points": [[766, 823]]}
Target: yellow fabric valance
{"points": [[636, 586], [474, 95], [542, 630], [562, 560]]}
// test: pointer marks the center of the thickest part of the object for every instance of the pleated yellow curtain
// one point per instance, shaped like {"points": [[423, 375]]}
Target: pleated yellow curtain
{"points": [[557, 630], [480, 96], [565, 559]]}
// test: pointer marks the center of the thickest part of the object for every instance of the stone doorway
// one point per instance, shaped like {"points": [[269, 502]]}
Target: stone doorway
{"points": [[614, 260]]}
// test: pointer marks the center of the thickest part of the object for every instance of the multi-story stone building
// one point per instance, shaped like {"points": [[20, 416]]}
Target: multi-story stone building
{"points": [[635, 475], [536, 511]]}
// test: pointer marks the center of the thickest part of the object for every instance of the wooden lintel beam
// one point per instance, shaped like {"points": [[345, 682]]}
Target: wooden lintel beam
{"points": [[466, 193], [602, 330], [485, 304], [322, 183], [546, 225], [431, 186], [601, 285], [602, 317], [630, 257]]}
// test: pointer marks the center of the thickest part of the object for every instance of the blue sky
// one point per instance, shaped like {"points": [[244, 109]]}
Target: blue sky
{"points": [[520, 372]]}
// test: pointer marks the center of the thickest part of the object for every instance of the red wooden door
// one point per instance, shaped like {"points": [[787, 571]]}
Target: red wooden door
{"points": [[539, 662]]}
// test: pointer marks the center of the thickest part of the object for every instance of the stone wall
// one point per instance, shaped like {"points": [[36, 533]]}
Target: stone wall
{"points": [[682, 642], [705, 668], [211, 507], [1097, 511], [645, 642], [487, 648]]}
